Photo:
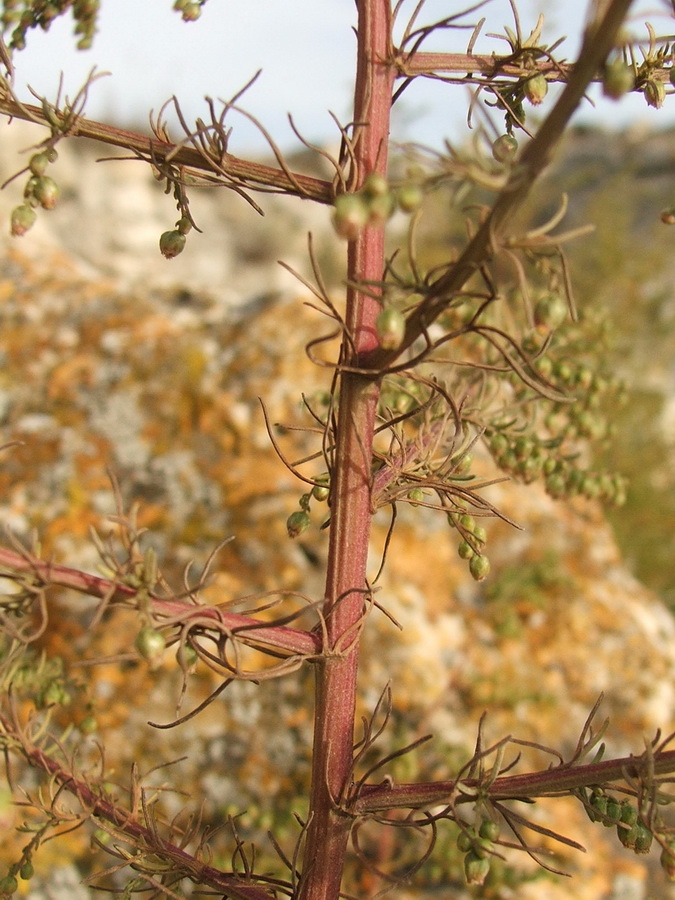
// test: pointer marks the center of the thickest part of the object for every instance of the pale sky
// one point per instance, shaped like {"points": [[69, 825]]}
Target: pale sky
{"points": [[305, 49]]}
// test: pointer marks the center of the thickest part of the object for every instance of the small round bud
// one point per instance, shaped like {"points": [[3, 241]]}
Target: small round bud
{"points": [[171, 243], [465, 841], [8, 885], [39, 162], [350, 215], [550, 311], [46, 192], [151, 644], [380, 208], [409, 197], [297, 522], [26, 871], [390, 328], [505, 148], [668, 215], [643, 839], [321, 492], [23, 218], [376, 185], [655, 93], [475, 868], [489, 830], [536, 89], [667, 860], [465, 550], [618, 79], [479, 566]]}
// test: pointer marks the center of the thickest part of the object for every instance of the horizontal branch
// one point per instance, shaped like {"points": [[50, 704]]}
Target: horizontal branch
{"points": [[549, 782], [249, 630], [489, 65], [247, 174]]}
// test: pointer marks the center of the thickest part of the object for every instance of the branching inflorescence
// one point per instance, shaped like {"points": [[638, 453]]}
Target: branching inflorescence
{"points": [[450, 376]]}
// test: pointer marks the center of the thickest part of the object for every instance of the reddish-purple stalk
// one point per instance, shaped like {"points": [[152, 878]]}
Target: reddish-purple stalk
{"points": [[335, 690]]}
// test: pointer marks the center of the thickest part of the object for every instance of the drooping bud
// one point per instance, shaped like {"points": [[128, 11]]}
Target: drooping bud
{"points": [[171, 243], [350, 215], [536, 89], [618, 79], [46, 192], [39, 162], [390, 327], [668, 215], [505, 148], [550, 311], [479, 566], [23, 218], [297, 522], [409, 197], [151, 644], [475, 869], [655, 93]]}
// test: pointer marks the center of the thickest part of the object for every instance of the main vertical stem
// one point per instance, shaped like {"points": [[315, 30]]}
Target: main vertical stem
{"points": [[335, 691]]}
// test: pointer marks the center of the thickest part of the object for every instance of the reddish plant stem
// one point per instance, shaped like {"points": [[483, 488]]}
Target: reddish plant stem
{"points": [[546, 783], [335, 688], [246, 628]]}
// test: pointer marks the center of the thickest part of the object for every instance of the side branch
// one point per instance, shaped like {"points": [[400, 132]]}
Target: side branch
{"points": [[247, 629], [547, 783], [250, 174]]}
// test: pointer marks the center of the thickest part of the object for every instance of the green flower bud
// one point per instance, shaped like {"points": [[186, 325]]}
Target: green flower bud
{"points": [[416, 495], [667, 860], [550, 311], [390, 328], [479, 566], [465, 550], [171, 243], [465, 841], [475, 868], [643, 840], [38, 163], [8, 885], [376, 185], [23, 218], [655, 93], [321, 492], [613, 812], [151, 645], [26, 871], [297, 522], [46, 192], [480, 534], [505, 148], [350, 215], [629, 814], [489, 830], [618, 79], [536, 89], [380, 208], [628, 836], [409, 197]]}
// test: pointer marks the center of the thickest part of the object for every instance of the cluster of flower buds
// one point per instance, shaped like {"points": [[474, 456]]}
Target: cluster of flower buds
{"points": [[9, 883], [171, 243], [40, 190], [22, 15], [478, 847], [299, 521], [373, 205], [471, 546], [189, 9], [622, 815], [527, 458]]}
